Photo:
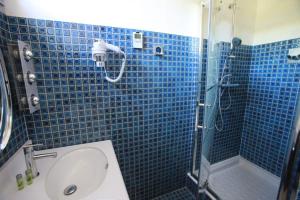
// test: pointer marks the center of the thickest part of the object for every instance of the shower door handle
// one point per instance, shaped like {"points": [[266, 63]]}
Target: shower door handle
{"points": [[200, 127]]}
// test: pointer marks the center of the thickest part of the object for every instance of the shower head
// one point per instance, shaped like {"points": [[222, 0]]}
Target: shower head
{"points": [[236, 42]]}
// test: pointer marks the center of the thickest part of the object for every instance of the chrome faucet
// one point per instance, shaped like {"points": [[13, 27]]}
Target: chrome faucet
{"points": [[30, 157]]}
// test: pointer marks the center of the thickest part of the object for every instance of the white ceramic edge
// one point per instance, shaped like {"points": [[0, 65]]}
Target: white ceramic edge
{"points": [[216, 167], [239, 160]]}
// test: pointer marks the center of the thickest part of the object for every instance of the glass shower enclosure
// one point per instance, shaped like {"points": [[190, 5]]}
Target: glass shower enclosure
{"points": [[221, 102]]}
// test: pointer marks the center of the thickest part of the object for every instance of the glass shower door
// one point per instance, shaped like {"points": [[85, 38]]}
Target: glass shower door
{"points": [[222, 48], [208, 97]]}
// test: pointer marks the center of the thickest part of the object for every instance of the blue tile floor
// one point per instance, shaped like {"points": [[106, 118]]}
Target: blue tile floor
{"points": [[180, 194]]}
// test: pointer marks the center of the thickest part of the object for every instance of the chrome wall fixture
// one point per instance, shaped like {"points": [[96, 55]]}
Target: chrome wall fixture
{"points": [[6, 105], [30, 157], [22, 60]]}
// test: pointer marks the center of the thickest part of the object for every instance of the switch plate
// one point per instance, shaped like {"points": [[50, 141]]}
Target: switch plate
{"points": [[137, 40]]}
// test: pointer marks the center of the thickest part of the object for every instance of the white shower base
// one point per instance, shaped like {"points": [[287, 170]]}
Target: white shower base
{"points": [[239, 179]]}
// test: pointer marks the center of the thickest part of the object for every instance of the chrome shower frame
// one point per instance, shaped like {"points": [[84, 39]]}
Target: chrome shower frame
{"points": [[203, 186], [290, 176]]}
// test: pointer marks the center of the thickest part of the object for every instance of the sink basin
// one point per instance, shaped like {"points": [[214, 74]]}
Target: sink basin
{"points": [[76, 174], [87, 171]]}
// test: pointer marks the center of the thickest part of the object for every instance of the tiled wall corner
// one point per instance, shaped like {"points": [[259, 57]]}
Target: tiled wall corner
{"points": [[233, 102], [272, 94]]}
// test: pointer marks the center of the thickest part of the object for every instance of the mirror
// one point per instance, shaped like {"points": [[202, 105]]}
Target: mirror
{"points": [[6, 105]]}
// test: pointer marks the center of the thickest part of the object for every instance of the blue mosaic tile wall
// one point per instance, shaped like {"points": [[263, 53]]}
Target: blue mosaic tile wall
{"points": [[258, 124], [19, 132], [148, 115], [227, 141], [272, 94]]}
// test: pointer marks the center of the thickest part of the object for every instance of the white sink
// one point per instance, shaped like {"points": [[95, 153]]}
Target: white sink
{"points": [[76, 174], [93, 168]]}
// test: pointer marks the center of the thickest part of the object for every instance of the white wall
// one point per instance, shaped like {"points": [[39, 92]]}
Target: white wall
{"points": [[245, 20], [170, 16], [244, 23], [277, 20], [257, 21]]}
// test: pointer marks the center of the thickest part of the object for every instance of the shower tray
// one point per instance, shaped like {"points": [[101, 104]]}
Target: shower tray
{"points": [[239, 179]]}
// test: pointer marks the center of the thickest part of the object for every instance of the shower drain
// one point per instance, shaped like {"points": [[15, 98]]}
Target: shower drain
{"points": [[71, 189]]}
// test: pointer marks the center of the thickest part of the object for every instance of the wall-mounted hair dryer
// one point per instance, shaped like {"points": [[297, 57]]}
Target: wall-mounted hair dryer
{"points": [[99, 56]]}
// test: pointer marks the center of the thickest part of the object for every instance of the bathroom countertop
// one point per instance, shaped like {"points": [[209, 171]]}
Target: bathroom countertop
{"points": [[112, 188]]}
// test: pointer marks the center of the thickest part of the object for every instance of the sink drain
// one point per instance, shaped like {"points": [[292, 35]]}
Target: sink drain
{"points": [[71, 189]]}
